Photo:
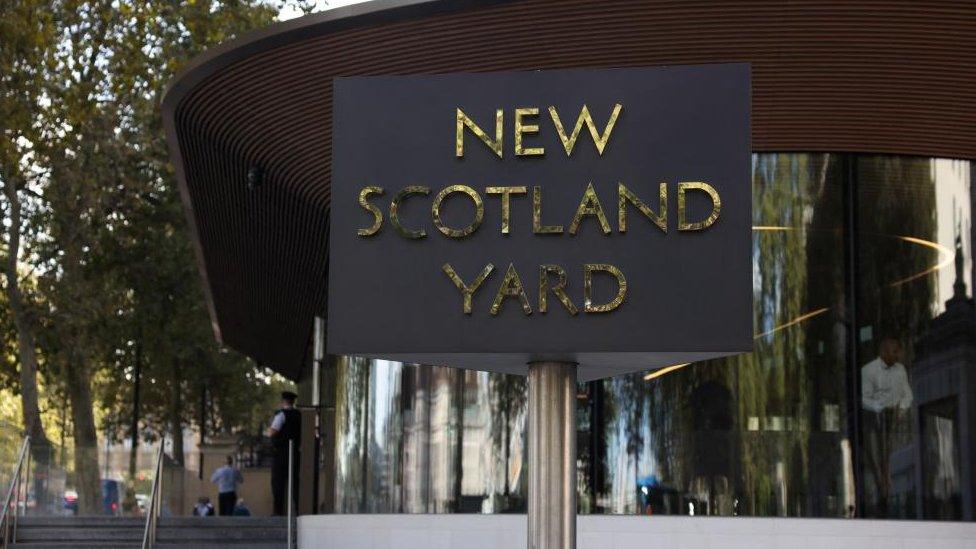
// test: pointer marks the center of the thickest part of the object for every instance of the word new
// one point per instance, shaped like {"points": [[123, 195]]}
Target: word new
{"points": [[523, 127]]}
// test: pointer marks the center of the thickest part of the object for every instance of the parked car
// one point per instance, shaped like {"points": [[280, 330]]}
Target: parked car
{"points": [[110, 497], [29, 503], [142, 503], [71, 502]]}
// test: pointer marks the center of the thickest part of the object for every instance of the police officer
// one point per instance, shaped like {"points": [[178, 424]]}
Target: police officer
{"points": [[286, 426]]}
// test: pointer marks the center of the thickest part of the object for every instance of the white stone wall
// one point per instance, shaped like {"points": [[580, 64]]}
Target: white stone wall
{"points": [[629, 532]]}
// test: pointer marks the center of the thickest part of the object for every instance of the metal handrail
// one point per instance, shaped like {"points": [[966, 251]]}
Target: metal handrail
{"points": [[8, 525], [155, 501]]}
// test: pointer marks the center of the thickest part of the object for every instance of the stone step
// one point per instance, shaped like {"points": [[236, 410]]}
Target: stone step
{"points": [[80, 544], [132, 522], [173, 532], [83, 521], [208, 534], [224, 522], [164, 534], [106, 534], [159, 545], [227, 545]]}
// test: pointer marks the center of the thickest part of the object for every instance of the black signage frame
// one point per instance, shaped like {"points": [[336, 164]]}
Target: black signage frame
{"points": [[688, 290]]}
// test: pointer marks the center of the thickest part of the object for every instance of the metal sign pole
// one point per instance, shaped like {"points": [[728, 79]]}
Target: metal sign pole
{"points": [[552, 455], [318, 358]]}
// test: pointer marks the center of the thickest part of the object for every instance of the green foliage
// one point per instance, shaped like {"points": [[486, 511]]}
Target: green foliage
{"points": [[111, 276]]}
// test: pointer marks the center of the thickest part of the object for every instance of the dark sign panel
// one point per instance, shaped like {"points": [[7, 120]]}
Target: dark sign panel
{"points": [[487, 220]]}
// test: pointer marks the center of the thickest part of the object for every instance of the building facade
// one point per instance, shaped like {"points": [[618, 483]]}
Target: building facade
{"points": [[859, 399]]}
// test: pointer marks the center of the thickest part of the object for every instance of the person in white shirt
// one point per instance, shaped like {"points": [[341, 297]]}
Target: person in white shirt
{"points": [[886, 400], [227, 478], [884, 382]]}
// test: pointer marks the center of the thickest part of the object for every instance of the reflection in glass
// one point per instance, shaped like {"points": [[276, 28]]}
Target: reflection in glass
{"points": [[914, 329], [759, 434], [350, 434], [436, 439], [859, 398], [941, 477]]}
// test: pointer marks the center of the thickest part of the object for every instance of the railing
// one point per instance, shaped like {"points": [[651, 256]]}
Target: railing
{"points": [[18, 489], [155, 503]]}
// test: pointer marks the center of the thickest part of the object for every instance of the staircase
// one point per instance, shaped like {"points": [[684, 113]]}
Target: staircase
{"points": [[174, 532]]}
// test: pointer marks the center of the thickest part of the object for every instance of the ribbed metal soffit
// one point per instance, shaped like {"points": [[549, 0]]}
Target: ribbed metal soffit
{"points": [[885, 77]]}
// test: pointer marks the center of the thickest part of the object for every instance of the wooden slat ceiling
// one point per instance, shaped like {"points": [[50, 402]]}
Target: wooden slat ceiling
{"points": [[871, 76]]}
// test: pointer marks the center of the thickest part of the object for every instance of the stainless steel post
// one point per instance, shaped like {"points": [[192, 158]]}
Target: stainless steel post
{"points": [[159, 497], [27, 478], [318, 358], [291, 454], [16, 504], [19, 480], [552, 455], [153, 513], [318, 355]]}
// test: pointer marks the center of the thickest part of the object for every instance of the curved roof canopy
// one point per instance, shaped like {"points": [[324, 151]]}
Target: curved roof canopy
{"points": [[882, 76]]}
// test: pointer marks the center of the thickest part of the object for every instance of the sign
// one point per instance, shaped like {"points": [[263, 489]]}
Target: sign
{"points": [[487, 220]]}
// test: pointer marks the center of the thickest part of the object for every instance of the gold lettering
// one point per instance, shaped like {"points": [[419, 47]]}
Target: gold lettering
{"points": [[467, 291], [479, 211], [683, 224], [584, 118], [511, 287], [624, 196], [589, 205], [588, 270], [505, 193], [537, 226], [523, 128], [377, 215], [395, 211], [559, 288], [464, 121]]}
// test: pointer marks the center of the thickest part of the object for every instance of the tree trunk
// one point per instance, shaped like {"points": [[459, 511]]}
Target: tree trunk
{"points": [[129, 504], [134, 429], [176, 414], [86, 439], [40, 446], [62, 460]]}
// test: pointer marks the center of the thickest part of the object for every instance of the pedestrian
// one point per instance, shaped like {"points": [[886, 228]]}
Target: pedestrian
{"points": [[286, 426], [227, 478], [203, 508], [241, 510]]}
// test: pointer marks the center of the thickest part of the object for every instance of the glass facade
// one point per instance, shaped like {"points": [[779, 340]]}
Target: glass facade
{"points": [[859, 399]]}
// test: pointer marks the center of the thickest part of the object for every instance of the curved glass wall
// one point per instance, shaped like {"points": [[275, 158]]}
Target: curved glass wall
{"points": [[859, 399]]}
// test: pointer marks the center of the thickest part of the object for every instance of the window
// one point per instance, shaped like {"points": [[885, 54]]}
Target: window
{"points": [[858, 400]]}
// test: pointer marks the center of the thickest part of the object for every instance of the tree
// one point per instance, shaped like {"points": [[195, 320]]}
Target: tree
{"points": [[153, 247], [25, 28], [81, 83]]}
